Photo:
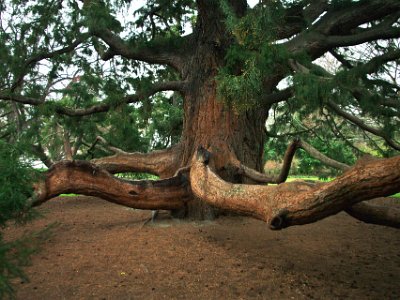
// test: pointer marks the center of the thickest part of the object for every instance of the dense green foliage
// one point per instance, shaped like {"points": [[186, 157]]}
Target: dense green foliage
{"points": [[52, 54], [16, 187], [359, 79]]}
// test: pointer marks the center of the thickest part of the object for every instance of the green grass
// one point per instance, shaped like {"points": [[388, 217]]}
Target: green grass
{"points": [[311, 178], [396, 195]]}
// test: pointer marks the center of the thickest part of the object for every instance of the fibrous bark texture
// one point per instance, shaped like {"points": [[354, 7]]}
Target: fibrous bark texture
{"points": [[85, 178], [296, 203]]}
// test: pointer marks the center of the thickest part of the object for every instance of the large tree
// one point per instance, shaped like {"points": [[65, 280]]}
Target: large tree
{"points": [[92, 76]]}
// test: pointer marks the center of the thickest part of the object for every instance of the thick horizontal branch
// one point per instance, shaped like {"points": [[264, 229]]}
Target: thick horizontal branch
{"points": [[363, 37], [150, 54], [296, 203], [102, 107], [376, 214], [350, 17], [85, 178], [340, 27], [161, 162]]}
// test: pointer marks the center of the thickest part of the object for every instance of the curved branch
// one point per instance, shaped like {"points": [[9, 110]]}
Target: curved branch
{"points": [[338, 26], [43, 55], [103, 107], [147, 53], [84, 178], [263, 178], [363, 37], [162, 163], [362, 125], [375, 214], [278, 96], [296, 203], [21, 99], [323, 158]]}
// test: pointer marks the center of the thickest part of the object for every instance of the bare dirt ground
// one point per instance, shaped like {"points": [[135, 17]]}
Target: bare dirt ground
{"points": [[102, 251]]}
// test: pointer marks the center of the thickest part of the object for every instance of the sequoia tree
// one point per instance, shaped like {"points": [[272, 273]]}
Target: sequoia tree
{"points": [[81, 72]]}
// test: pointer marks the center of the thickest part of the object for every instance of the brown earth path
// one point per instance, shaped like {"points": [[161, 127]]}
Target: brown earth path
{"points": [[102, 251]]}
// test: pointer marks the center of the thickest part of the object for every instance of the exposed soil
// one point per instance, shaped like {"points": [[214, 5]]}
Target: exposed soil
{"points": [[102, 251]]}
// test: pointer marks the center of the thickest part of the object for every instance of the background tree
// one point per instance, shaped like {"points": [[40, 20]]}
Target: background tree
{"points": [[83, 78]]}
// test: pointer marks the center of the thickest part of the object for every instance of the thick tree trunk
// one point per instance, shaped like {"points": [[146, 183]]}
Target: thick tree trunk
{"points": [[224, 132], [208, 121]]}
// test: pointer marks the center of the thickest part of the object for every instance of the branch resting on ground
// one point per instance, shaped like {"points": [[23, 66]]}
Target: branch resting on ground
{"points": [[296, 203], [366, 212]]}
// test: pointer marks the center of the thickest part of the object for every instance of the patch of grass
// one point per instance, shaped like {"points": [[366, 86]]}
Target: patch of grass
{"points": [[396, 195], [69, 195], [311, 178]]}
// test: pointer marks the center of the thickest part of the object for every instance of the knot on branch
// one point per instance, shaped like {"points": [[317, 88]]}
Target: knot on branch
{"points": [[203, 155], [279, 221]]}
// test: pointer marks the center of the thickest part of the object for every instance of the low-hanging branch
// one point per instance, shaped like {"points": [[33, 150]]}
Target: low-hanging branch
{"points": [[296, 203], [102, 107], [375, 214], [357, 121], [85, 178], [263, 178], [162, 163], [366, 212]]}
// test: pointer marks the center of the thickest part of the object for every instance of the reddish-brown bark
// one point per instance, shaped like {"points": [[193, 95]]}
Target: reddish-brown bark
{"points": [[296, 203], [87, 179], [163, 163]]}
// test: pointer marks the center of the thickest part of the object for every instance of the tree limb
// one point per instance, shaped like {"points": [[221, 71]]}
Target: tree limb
{"points": [[102, 107], [375, 214], [161, 162], [264, 178], [87, 179], [362, 125], [338, 27], [296, 203], [150, 54], [323, 158], [43, 55], [41, 154]]}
